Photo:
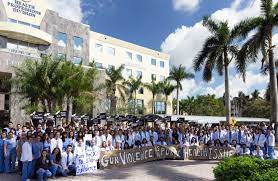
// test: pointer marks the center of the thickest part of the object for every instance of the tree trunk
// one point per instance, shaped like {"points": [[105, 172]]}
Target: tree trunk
{"points": [[178, 104], [166, 101], [227, 90], [70, 103], [153, 105], [135, 102], [273, 88]]}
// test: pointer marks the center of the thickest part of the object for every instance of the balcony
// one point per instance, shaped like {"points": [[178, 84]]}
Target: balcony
{"points": [[24, 33]]}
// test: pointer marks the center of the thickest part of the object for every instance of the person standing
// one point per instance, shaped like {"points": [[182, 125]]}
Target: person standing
{"points": [[270, 142], [26, 159], [10, 153], [2, 157], [56, 142]]}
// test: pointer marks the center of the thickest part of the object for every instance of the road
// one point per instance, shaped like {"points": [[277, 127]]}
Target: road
{"points": [[168, 170]]}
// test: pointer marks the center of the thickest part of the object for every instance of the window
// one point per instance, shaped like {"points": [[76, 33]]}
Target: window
{"points": [[139, 74], [99, 47], [162, 78], [140, 106], [110, 67], [153, 77], [62, 39], [12, 20], [129, 55], [35, 26], [110, 50], [23, 23], [99, 65], [129, 72], [161, 64], [61, 56], [153, 61], [141, 90], [78, 43], [139, 58], [77, 60], [159, 107]]}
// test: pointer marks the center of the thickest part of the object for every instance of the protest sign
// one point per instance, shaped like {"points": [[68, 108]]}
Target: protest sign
{"points": [[87, 162], [207, 153], [135, 156]]}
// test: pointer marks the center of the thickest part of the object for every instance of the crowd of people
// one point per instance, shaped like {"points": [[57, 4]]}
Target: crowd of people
{"points": [[43, 151]]}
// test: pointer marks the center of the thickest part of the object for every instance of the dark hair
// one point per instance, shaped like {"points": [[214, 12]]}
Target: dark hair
{"points": [[58, 157], [69, 146]]}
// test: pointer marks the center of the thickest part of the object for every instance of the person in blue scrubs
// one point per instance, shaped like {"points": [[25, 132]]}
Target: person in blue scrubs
{"points": [[10, 153], [2, 157], [46, 142], [37, 147]]}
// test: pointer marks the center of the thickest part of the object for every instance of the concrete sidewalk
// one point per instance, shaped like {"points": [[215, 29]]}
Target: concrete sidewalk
{"points": [[168, 170]]}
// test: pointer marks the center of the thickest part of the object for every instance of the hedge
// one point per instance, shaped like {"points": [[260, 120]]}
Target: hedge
{"points": [[246, 168]]}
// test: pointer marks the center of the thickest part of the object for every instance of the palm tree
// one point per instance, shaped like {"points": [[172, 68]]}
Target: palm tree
{"points": [[133, 85], [215, 55], [263, 26], [167, 89], [255, 94], [114, 82], [178, 74], [154, 88]]}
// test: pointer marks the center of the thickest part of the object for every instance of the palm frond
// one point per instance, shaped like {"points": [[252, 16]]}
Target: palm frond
{"points": [[210, 24]]}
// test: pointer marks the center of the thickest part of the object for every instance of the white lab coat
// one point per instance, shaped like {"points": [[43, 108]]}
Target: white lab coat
{"points": [[259, 140], [64, 160], [56, 143]]}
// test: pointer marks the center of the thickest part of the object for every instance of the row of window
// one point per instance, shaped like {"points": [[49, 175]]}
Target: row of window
{"points": [[110, 50], [76, 60], [23, 23], [63, 40], [159, 106]]}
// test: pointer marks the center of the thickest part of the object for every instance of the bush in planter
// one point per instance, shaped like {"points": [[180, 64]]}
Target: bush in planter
{"points": [[246, 168]]}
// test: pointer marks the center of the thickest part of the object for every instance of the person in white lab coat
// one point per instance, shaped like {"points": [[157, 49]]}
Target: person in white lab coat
{"points": [[258, 152], [270, 142], [56, 142], [68, 161]]}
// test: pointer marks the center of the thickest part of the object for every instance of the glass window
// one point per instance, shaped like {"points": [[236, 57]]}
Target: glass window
{"points": [[139, 74], [110, 50], [77, 60], [12, 44], [141, 90], [35, 26], [99, 65], [99, 47], [153, 61], [110, 67], [23, 23], [78, 43], [161, 64], [129, 72], [153, 77], [62, 56], [139, 58], [12, 20], [129, 55], [140, 106], [160, 107], [162, 78], [62, 39]]}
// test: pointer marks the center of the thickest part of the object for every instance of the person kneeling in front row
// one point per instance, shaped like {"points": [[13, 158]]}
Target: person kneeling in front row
{"points": [[43, 167], [68, 161]]}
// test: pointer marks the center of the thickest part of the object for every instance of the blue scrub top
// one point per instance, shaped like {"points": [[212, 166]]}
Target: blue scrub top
{"points": [[36, 149], [2, 145], [11, 144], [46, 146]]}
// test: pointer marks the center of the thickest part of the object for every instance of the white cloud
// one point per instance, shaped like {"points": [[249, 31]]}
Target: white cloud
{"points": [[185, 42], [69, 9], [186, 5]]}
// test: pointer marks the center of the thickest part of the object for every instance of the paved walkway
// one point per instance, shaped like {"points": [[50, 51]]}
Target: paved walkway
{"points": [[168, 170]]}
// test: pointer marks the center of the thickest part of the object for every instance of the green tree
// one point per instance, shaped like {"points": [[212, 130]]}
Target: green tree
{"points": [[257, 108], [215, 55], [178, 74], [114, 82], [263, 27], [167, 90], [155, 89], [133, 85], [255, 94]]}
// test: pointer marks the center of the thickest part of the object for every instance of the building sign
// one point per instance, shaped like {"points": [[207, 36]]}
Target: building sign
{"points": [[207, 153], [24, 8], [134, 156], [27, 11]]}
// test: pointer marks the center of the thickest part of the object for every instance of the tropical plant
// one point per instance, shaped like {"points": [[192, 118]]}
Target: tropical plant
{"points": [[114, 82], [261, 41], [155, 89], [215, 55], [178, 74], [133, 85], [167, 90]]}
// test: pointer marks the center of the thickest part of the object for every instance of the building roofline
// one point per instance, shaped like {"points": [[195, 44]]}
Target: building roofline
{"points": [[128, 45]]}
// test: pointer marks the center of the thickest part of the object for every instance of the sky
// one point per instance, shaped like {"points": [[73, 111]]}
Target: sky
{"points": [[171, 26]]}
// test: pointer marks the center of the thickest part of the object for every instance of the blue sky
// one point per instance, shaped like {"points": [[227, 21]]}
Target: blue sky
{"points": [[171, 26]]}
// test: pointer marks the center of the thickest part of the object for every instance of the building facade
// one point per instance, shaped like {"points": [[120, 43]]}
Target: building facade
{"points": [[28, 29]]}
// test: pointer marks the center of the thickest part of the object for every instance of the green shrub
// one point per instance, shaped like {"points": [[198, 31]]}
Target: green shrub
{"points": [[246, 168]]}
